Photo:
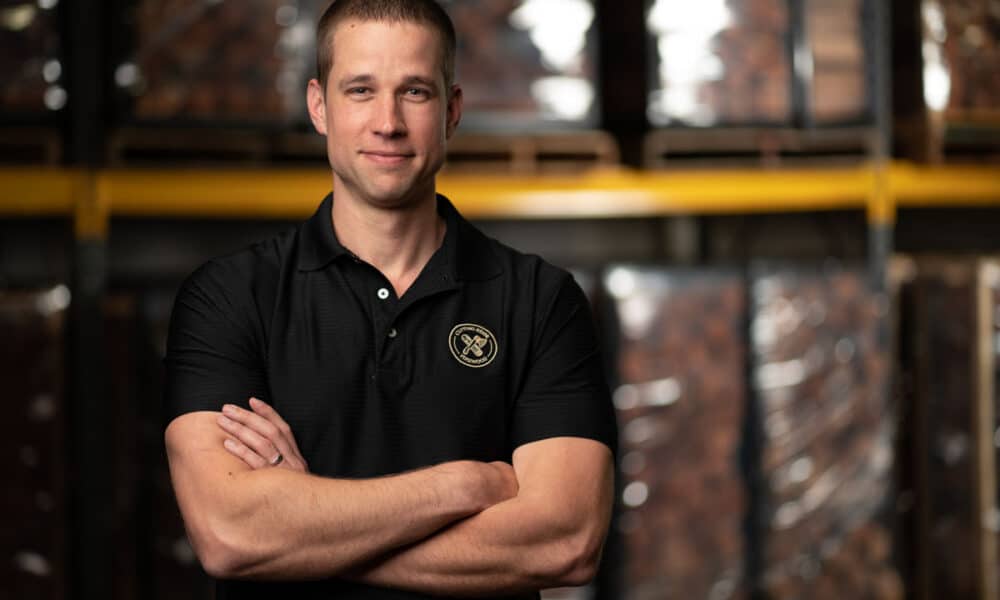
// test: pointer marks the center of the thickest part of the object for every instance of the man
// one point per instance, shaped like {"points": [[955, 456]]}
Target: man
{"points": [[428, 415]]}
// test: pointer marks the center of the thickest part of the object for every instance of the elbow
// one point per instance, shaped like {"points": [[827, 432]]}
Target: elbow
{"points": [[578, 559], [220, 562], [581, 566], [221, 554]]}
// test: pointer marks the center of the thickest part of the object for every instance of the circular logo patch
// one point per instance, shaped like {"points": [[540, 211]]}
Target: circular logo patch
{"points": [[472, 345]]}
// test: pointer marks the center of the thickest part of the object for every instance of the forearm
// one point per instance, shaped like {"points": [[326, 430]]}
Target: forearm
{"points": [[280, 524], [520, 545]]}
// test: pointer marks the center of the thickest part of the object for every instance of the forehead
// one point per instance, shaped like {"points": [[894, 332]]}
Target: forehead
{"points": [[386, 48]]}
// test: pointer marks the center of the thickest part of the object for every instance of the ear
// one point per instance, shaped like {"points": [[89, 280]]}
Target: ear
{"points": [[454, 116], [316, 100]]}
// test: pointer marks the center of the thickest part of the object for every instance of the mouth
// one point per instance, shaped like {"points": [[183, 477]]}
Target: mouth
{"points": [[386, 158]]}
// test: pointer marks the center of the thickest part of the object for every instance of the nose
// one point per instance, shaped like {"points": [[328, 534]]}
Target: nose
{"points": [[388, 118]]}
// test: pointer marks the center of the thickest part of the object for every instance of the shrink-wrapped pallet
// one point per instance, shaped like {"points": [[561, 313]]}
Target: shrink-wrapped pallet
{"points": [[835, 31], [949, 310], [30, 50], [968, 33], [526, 63], [522, 63], [217, 61], [825, 436], [723, 63], [34, 507], [680, 404], [174, 569]]}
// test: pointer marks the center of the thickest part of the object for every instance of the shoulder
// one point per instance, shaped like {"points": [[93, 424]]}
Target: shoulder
{"points": [[241, 287], [530, 273], [253, 269]]}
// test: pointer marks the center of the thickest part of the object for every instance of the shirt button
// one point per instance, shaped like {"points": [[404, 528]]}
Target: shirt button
{"points": [[382, 293], [393, 333]]}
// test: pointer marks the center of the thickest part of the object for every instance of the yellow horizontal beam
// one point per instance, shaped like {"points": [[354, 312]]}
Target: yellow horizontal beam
{"points": [[35, 192], [618, 193], [196, 193], [944, 186], [294, 193], [628, 193]]}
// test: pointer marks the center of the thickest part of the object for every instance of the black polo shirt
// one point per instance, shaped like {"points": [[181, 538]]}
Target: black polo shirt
{"points": [[489, 349]]}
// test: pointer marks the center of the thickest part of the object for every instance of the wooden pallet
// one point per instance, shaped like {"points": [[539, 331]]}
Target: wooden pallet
{"points": [[467, 152], [568, 152], [147, 146], [950, 137], [755, 147]]}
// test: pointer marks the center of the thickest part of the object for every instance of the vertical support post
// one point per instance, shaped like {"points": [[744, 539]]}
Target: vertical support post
{"points": [[91, 459], [623, 74], [983, 423], [881, 204], [800, 61]]}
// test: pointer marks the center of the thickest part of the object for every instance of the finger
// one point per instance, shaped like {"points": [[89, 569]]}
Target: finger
{"points": [[244, 453], [257, 423], [266, 438], [248, 437], [267, 411]]}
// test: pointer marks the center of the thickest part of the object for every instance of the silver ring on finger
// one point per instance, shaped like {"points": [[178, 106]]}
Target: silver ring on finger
{"points": [[277, 460]]}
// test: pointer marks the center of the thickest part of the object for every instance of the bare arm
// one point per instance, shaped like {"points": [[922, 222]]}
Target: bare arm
{"points": [[275, 523], [550, 535]]}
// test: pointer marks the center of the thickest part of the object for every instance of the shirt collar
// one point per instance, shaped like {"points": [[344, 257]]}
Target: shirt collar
{"points": [[469, 253], [318, 244]]}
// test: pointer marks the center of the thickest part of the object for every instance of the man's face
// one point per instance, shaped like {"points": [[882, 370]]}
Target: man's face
{"points": [[385, 111]]}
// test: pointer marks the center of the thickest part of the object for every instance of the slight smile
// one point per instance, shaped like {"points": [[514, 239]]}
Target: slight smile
{"points": [[387, 158]]}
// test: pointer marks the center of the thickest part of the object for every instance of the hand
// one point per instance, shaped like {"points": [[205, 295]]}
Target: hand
{"points": [[261, 438], [499, 483]]}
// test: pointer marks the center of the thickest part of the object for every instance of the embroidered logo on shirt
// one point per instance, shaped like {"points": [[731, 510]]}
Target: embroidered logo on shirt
{"points": [[472, 345]]}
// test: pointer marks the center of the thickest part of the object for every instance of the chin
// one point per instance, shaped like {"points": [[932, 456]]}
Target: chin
{"points": [[393, 199]]}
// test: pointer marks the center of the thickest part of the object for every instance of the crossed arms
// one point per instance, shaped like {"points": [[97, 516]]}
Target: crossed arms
{"points": [[458, 528]]}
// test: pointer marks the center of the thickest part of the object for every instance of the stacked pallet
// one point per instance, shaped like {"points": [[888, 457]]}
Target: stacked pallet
{"points": [[972, 52], [826, 430], [680, 408], [35, 503], [199, 60], [950, 307], [29, 41], [510, 71], [727, 66], [835, 32]]}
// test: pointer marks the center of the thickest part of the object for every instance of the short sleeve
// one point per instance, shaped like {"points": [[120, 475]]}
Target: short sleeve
{"points": [[213, 354], [565, 392]]}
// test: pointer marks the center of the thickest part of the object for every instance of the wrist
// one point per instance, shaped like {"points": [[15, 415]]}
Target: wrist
{"points": [[460, 487]]}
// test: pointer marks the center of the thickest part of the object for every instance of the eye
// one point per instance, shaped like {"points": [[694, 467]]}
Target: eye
{"points": [[416, 92], [358, 91]]}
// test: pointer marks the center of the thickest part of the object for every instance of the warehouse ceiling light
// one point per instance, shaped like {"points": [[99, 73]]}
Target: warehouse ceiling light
{"points": [[558, 28], [17, 18], [684, 33], [568, 98], [937, 80]]}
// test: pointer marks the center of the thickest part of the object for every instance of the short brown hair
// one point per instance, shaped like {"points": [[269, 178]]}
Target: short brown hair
{"points": [[422, 12]]}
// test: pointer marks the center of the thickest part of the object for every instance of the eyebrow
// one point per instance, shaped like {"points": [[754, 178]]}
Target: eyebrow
{"points": [[365, 78], [412, 79]]}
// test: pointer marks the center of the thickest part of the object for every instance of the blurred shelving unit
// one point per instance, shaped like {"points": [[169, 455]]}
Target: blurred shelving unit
{"points": [[606, 193], [732, 117]]}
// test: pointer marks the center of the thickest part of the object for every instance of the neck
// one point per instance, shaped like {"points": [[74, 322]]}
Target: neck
{"points": [[397, 241]]}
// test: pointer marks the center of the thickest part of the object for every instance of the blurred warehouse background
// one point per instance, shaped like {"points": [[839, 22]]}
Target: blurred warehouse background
{"points": [[786, 214]]}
